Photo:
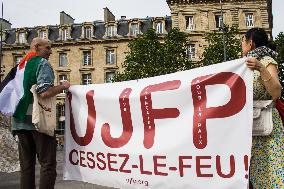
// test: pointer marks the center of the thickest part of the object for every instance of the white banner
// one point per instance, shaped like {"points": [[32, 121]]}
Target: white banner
{"points": [[190, 129]]}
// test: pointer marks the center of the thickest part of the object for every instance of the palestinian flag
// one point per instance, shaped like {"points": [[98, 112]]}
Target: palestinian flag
{"points": [[15, 95]]}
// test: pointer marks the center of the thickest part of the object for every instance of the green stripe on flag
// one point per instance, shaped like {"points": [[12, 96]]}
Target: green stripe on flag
{"points": [[29, 80]]}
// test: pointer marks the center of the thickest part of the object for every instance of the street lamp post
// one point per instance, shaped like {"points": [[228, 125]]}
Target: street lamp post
{"points": [[223, 32]]}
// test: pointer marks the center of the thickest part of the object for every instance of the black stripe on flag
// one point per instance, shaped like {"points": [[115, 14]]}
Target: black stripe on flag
{"points": [[11, 75]]}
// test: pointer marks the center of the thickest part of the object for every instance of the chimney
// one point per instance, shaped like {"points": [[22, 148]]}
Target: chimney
{"points": [[65, 18], [6, 25], [108, 16]]}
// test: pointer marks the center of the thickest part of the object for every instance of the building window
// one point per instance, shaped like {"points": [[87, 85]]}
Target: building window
{"points": [[191, 51], [88, 32], [86, 79], [22, 37], [249, 20], [218, 20], [62, 78], [61, 119], [111, 31], [18, 59], [61, 110], [63, 62], [87, 58], [109, 77], [134, 29], [189, 23], [64, 34], [3, 36], [42, 34], [159, 27], [110, 57], [60, 129]]}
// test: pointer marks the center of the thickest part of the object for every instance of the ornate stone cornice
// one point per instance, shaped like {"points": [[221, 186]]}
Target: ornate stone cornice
{"points": [[171, 2]]}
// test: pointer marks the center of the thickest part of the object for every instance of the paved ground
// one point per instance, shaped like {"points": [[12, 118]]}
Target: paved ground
{"points": [[11, 180]]}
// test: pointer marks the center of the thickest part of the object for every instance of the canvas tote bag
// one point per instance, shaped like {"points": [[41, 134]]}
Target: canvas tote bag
{"points": [[44, 113], [262, 117]]}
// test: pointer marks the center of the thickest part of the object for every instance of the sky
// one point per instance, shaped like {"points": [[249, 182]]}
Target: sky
{"points": [[30, 13]]}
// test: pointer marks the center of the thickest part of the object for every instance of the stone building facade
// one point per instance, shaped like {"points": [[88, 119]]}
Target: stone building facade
{"points": [[91, 52], [85, 53], [197, 17]]}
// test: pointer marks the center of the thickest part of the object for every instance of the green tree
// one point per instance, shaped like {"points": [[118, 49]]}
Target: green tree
{"points": [[214, 53], [151, 56], [279, 42]]}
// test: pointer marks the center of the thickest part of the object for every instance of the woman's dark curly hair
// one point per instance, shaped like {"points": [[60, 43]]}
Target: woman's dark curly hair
{"points": [[258, 37]]}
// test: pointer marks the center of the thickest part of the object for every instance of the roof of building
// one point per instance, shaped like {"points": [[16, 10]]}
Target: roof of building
{"points": [[76, 29], [4, 20]]}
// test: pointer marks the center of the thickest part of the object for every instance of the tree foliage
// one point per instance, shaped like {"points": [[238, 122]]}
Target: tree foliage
{"points": [[214, 53], [279, 42], [151, 56]]}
